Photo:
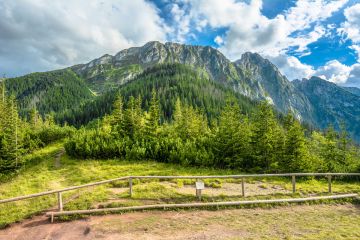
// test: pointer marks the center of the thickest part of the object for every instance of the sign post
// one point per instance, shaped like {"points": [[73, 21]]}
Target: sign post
{"points": [[199, 186]]}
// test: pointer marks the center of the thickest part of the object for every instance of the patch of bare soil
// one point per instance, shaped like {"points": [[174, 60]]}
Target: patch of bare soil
{"points": [[57, 162], [234, 189], [295, 222]]}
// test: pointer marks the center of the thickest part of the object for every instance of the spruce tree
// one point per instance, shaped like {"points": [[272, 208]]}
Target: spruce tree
{"points": [[266, 139], [232, 139], [118, 116], [296, 156]]}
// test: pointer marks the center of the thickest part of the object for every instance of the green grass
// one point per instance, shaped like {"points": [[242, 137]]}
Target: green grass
{"points": [[41, 175]]}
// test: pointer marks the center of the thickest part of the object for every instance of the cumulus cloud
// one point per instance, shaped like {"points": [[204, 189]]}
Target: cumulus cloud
{"points": [[291, 67], [43, 35], [351, 27], [249, 30], [354, 76], [334, 71]]}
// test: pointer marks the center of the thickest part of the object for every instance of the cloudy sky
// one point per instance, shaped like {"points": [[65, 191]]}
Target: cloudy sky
{"points": [[303, 38]]}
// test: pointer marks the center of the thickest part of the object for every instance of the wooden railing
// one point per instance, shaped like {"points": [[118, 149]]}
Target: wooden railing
{"points": [[131, 178]]}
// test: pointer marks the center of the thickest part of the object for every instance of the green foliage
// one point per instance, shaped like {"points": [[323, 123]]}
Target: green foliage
{"points": [[54, 91], [18, 137], [255, 142], [172, 82]]}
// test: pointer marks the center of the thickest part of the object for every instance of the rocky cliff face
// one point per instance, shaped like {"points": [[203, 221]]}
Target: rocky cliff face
{"points": [[331, 104], [268, 83], [212, 62]]}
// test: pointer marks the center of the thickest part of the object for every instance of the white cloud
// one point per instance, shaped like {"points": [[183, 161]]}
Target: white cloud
{"points": [[249, 30], [43, 35], [354, 76], [335, 72], [219, 40], [181, 28], [291, 67], [351, 27]]}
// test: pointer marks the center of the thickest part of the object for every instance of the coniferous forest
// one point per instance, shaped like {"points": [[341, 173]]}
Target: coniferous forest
{"points": [[250, 143]]}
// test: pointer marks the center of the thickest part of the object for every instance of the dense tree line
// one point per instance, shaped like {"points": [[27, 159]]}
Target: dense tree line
{"points": [[255, 142], [49, 92], [19, 136]]}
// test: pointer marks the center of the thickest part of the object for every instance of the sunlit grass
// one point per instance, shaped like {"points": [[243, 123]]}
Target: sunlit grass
{"points": [[40, 174]]}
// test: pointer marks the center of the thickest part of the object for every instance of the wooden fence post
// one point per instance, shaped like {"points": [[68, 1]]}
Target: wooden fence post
{"points": [[243, 186], [130, 187], [60, 202], [329, 182], [293, 183]]}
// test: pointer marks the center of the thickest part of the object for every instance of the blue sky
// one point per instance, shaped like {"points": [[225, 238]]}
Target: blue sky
{"points": [[303, 38]]}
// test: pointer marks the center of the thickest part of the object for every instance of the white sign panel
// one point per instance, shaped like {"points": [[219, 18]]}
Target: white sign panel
{"points": [[200, 185]]}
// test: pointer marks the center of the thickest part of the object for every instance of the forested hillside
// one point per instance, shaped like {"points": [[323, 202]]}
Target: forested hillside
{"points": [[172, 81], [48, 92]]}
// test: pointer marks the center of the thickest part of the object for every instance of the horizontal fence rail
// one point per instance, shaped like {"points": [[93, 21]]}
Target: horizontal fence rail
{"points": [[130, 178], [210, 204]]}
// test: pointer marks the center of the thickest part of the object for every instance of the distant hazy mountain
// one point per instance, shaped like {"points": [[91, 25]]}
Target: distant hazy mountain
{"points": [[315, 101], [353, 90]]}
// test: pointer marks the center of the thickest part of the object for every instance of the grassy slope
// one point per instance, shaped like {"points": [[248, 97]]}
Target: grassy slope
{"points": [[41, 175]]}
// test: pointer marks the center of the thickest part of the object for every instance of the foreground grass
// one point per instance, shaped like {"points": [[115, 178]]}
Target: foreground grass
{"points": [[42, 175]]}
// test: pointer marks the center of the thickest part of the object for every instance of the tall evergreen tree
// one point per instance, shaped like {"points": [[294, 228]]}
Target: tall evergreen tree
{"points": [[266, 138], [296, 155], [232, 139], [118, 116]]}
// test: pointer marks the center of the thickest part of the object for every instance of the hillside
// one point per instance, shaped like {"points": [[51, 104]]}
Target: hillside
{"points": [[49, 92], [332, 104], [172, 81]]}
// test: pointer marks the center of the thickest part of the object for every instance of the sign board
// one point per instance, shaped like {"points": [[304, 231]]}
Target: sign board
{"points": [[200, 185]]}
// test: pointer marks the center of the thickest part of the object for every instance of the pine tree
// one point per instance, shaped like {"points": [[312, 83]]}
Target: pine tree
{"points": [[35, 119], [232, 139], [153, 119], [133, 119], [296, 156], [330, 151], [9, 146], [266, 138], [118, 116]]}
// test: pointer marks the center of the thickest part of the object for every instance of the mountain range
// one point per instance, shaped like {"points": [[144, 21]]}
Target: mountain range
{"points": [[314, 101]]}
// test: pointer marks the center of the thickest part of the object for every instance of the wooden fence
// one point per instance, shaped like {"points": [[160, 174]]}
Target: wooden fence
{"points": [[242, 177]]}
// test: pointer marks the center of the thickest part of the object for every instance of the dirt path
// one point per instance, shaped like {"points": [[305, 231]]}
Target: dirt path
{"points": [[296, 222], [57, 162]]}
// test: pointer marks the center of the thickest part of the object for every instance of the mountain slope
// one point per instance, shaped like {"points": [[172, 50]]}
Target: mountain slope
{"points": [[172, 81], [332, 104], [353, 90], [215, 64], [268, 83], [251, 76], [53, 91]]}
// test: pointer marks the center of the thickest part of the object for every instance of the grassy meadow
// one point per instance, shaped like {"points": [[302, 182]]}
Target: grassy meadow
{"points": [[46, 170]]}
